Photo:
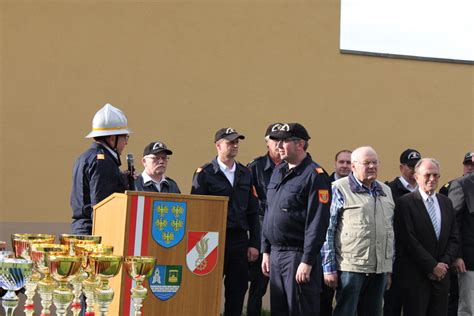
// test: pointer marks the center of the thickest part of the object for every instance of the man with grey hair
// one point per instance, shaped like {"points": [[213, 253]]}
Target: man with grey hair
{"points": [[358, 251], [427, 241]]}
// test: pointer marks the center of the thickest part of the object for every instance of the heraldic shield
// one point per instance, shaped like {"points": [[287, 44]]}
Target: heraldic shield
{"points": [[201, 252], [165, 281], [168, 222]]}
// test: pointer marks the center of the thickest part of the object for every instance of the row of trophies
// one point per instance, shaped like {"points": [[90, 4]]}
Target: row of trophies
{"points": [[61, 273]]}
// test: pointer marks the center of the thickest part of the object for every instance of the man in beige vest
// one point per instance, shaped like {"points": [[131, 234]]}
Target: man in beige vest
{"points": [[358, 251]]}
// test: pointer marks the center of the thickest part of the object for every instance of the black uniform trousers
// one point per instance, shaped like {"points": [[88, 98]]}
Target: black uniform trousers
{"points": [[236, 271], [257, 289], [429, 299], [287, 295]]}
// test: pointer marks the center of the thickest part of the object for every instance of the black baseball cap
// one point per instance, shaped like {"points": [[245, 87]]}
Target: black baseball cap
{"points": [[155, 148], [468, 158], [290, 130], [272, 129], [410, 157], [227, 133]]}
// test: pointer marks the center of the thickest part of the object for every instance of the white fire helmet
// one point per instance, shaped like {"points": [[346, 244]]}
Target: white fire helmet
{"points": [[109, 121]]}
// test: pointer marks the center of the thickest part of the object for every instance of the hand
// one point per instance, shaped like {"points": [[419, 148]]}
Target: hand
{"points": [[266, 264], [389, 281], [440, 270], [331, 280], [459, 265], [303, 273], [252, 254]]}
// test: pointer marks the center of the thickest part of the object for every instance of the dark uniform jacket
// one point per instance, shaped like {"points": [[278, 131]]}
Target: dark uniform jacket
{"points": [[261, 168], [242, 211], [96, 175], [398, 189], [167, 186], [298, 209], [461, 193]]}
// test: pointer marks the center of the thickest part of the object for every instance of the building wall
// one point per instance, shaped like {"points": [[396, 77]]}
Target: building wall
{"points": [[182, 69]]}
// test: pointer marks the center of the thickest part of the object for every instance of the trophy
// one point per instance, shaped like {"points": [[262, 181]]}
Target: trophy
{"points": [[63, 268], [39, 255], [85, 280], [72, 240], [104, 267], [3, 245], [21, 244], [138, 269], [13, 275]]}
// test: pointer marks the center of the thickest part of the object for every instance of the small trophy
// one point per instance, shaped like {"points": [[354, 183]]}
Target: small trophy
{"points": [[3, 245], [39, 255], [85, 281], [63, 268], [138, 269], [14, 273], [105, 267], [72, 240], [21, 244]]}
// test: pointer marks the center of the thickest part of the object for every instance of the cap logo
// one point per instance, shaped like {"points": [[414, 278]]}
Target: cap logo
{"points": [[414, 155], [230, 130], [157, 145], [276, 127], [285, 128]]}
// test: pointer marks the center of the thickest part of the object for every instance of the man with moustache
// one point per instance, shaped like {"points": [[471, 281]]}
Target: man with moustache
{"points": [[262, 168], [429, 242], [224, 176], [342, 165], [358, 250], [295, 225], [155, 161]]}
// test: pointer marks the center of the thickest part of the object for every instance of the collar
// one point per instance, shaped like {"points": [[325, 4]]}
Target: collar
{"points": [[407, 185], [148, 180], [425, 196], [224, 168], [298, 169], [269, 164], [357, 186]]}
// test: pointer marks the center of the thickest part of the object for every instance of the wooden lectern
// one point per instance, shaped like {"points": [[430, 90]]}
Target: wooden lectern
{"points": [[186, 233]]}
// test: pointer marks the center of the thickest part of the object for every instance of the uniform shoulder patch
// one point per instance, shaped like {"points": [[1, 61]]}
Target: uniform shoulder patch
{"points": [[319, 170], [323, 196], [198, 170], [447, 185], [100, 156]]}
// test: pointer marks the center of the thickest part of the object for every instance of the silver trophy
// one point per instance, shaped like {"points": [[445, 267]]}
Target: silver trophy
{"points": [[14, 273]]}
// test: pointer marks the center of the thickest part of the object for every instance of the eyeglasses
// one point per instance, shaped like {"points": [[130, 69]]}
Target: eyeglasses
{"points": [[429, 175], [155, 158], [374, 163]]}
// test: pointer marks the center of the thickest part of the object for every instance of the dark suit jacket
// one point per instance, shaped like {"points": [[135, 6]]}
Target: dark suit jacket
{"points": [[419, 250], [398, 190], [461, 193]]}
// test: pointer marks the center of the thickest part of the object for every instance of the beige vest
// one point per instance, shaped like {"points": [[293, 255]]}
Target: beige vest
{"points": [[364, 238]]}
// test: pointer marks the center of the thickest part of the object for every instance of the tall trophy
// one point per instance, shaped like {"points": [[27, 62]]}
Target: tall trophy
{"points": [[13, 275], [89, 281], [105, 267], [63, 268], [139, 268], [40, 255], [21, 244]]}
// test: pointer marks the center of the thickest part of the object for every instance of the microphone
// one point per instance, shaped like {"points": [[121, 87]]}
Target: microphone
{"points": [[131, 171]]}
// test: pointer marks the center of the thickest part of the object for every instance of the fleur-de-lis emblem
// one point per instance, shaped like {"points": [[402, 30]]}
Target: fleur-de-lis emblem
{"points": [[167, 237], [162, 210], [177, 211], [176, 224], [161, 223]]}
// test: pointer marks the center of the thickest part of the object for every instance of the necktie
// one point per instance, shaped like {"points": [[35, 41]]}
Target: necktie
{"points": [[432, 214]]}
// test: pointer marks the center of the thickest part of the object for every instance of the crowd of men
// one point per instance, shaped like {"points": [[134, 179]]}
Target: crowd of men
{"points": [[344, 244]]}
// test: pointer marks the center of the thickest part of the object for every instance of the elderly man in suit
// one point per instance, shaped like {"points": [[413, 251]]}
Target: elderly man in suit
{"points": [[428, 241], [461, 193]]}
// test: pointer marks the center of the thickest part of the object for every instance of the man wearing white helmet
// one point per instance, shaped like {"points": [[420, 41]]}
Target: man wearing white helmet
{"points": [[96, 173]]}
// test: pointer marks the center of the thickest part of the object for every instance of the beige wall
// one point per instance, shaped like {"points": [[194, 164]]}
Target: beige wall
{"points": [[182, 69]]}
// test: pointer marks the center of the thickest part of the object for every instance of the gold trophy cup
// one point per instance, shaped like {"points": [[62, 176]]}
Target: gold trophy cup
{"points": [[104, 267], [139, 268], [21, 244], [40, 255], [72, 240], [63, 268]]}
